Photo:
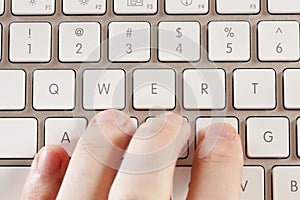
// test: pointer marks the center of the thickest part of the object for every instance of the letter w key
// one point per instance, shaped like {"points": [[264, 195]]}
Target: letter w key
{"points": [[103, 89]]}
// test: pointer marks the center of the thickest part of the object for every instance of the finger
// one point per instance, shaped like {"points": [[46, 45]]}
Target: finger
{"points": [[217, 166], [97, 157], [149, 163], [46, 174]]}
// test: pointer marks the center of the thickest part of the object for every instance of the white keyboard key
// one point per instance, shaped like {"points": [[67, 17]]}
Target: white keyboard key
{"points": [[253, 183], [154, 89], [79, 42], [254, 89], [104, 89], [229, 41], [278, 41], [268, 137], [298, 136], [129, 41], [179, 41], [187, 6], [84, 7], [12, 87], [135, 122], [1, 29], [12, 180], [18, 137], [33, 7], [291, 91], [135, 6], [238, 6], [286, 7], [204, 122], [64, 132], [286, 182], [204, 89], [54, 89], [30, 42], [2, 7], [181, 183]]}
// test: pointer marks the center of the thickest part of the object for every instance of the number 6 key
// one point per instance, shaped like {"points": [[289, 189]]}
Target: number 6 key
{"points": [[278, 41]]}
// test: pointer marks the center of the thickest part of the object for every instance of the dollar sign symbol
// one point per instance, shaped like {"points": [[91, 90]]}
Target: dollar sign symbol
{"points": [[179, 33]]}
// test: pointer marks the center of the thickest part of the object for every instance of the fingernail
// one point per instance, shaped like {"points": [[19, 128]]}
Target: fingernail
{"points": [[172, 116], [49, 161], [213, 134], [121, 120]]}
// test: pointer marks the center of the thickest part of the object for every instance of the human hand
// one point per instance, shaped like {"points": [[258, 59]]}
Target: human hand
{"points": [[98, 171]]}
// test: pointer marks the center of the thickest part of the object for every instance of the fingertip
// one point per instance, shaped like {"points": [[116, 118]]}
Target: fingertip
{"points": [[109, 130], [216, 133], [46, 173], [52, 159], [172, 116], [117, 118], [60, 151], [218, 161], [180, 122], [112, 127]]}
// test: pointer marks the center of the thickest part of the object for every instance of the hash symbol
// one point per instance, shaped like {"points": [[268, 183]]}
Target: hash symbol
{"points": [[129, 32]]}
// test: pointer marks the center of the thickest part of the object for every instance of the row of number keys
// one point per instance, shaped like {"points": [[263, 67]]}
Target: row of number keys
{"points": [[227, 41], [177, 41]]}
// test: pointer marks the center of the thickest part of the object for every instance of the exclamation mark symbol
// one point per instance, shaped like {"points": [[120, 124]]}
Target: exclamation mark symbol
{"points": [[29, 44], [29, 33]]}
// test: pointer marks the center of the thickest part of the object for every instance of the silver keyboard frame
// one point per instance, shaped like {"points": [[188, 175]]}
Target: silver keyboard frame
{"points": [[242, 115]]}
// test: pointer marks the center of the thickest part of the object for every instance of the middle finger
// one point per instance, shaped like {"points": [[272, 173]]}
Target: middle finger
{"points": [[148, 167]]}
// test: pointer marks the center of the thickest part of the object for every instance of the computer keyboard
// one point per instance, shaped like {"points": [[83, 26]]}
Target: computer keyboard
{"points": [[234, 61]]}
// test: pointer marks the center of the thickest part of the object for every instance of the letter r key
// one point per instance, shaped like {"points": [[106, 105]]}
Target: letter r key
{"points": [[204, 89]]}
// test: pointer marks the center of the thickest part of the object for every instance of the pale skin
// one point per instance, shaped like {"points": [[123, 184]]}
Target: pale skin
{"points": [[97, 170]]}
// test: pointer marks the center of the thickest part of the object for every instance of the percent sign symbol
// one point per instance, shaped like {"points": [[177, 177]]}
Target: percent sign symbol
{"points": [[229, 32]]}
